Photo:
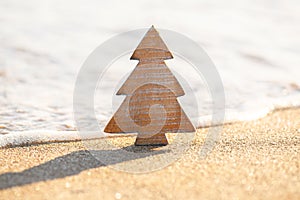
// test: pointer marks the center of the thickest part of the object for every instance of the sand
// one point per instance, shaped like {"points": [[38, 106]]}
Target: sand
{"points": [[253, 160]]}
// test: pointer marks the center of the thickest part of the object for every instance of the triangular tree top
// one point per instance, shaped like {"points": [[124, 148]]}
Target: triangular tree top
{"points": [[151, 47], [151, 68]]}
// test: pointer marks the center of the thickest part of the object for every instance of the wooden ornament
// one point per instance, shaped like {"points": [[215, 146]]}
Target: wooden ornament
{"points": [[150, 108]]}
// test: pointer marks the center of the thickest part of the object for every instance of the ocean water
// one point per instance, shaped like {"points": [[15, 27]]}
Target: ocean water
{"points": [[255, 46]]}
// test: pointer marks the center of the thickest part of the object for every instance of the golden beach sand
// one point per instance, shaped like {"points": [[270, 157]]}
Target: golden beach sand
{"points": [[253, 160]]}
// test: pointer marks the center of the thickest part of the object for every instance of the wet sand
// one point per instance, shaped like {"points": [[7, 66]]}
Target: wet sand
{"points": [[253, 160]]}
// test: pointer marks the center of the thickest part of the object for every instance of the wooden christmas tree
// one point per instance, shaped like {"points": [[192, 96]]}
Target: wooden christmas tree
{"points": [[150, 83]]}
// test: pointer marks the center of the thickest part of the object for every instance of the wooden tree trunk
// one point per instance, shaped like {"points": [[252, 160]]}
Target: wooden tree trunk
{"points": [[159, 139]]}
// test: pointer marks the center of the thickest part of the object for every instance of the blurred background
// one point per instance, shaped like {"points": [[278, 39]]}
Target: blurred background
{"points": [[254, 44]]}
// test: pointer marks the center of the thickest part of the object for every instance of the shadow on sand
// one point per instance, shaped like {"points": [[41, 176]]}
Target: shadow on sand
{"points": [[71, 164]]}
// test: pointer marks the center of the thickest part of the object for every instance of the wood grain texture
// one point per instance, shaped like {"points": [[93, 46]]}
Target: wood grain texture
{"points": [[152, 47], [150, 108]]}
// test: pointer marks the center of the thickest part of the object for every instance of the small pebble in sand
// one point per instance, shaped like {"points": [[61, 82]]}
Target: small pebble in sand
{"points": [[118, 195], [68, 185], [2, 126]]}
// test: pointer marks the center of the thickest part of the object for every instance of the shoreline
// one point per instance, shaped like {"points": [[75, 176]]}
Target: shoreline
{"points": [[253, 160], [39, 137]]}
